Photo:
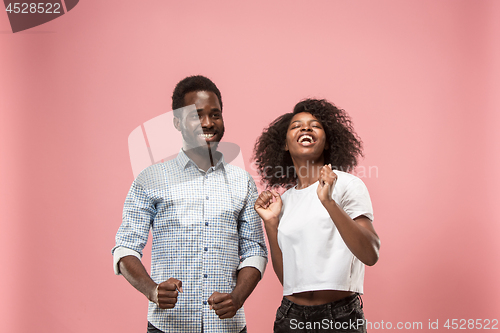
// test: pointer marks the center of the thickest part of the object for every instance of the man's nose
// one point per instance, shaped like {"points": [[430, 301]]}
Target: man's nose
{"points": [[206, 121]]}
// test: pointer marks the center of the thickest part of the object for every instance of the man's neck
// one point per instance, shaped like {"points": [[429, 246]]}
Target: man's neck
{"points": [[203, 157]]}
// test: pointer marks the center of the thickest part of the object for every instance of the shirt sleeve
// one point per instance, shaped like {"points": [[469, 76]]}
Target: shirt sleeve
{"points": [[138, 213], [120, 252], [356, 200], [252, 246], [256, 262]]}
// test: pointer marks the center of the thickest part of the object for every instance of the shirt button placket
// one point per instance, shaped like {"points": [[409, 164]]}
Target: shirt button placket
{"points": [[205, 255]]}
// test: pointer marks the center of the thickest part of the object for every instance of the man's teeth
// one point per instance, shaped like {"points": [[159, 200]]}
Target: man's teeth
{"points": [[207, 136], [306, 137]]}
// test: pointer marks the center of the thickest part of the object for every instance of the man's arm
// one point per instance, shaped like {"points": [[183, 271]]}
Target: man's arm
{"points": [[135, 273], [164, 294], [253, 254], [138, 213], [226, 305], [269, 211]]}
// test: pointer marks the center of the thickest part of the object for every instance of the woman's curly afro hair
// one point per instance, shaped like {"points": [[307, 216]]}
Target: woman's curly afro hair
{"points": [[275, 165]]}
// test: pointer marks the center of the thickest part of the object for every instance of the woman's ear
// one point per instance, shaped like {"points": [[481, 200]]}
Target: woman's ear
{"points": [[286, 146]]}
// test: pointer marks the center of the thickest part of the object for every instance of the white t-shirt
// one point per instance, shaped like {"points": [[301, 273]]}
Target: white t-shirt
{"points": [[315, 256]]}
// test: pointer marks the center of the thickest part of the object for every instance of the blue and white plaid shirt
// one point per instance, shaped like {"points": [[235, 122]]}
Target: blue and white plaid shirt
{"points": [[204, 229]]}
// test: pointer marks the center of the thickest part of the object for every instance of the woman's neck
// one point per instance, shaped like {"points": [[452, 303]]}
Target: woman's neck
{"points": [[307, 171]]}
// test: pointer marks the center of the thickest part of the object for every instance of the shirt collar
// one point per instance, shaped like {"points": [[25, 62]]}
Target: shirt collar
{"points": [[184, 160]]}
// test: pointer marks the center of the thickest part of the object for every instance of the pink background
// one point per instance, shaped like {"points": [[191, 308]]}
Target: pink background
{"points": [[420, 79]]}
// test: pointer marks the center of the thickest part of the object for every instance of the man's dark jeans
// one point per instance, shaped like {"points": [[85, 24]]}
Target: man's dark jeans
{"points": [[152, 329], [345, 315]]}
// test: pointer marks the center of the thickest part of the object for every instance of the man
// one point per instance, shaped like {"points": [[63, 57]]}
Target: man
{"points": [[208, 249]]}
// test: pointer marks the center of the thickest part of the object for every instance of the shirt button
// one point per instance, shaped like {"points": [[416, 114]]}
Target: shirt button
{"points": [[205, 276], [207, 197], [206, 249], [204, 302], [206, 223]]}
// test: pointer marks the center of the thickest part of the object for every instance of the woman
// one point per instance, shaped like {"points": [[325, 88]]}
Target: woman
{"points": [[320, 231]]}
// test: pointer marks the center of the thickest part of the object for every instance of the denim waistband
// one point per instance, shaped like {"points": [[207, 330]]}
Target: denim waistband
{"points": [[338, 306]]}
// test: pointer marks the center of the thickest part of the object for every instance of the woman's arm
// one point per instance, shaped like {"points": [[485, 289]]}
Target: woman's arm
{"points": [[269, 212], [358, 234], [276, 255]]}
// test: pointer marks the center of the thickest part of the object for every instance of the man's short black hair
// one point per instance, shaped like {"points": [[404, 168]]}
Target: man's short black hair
{"points": [[190, 84]]}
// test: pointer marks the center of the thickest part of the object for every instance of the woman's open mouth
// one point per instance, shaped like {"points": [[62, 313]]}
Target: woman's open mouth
{"points": [[306, 140]]}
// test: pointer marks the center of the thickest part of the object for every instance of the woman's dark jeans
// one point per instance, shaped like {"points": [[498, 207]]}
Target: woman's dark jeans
{"points": [[345, 315]]}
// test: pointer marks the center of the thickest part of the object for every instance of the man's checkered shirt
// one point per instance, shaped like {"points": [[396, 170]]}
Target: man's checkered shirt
{"points": [[203, 225]]}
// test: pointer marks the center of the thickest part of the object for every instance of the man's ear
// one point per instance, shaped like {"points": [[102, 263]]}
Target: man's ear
{"points": [[177, 124]]}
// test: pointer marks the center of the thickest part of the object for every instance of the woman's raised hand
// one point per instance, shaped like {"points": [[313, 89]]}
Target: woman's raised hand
{"points": [[327, 180], [268, 206]]}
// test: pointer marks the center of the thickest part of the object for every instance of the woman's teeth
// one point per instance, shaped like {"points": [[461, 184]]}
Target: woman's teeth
{"points": [[306, 137]]}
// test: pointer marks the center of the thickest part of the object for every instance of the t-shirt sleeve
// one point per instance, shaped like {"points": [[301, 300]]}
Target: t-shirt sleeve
{"points": [[356, 200]]}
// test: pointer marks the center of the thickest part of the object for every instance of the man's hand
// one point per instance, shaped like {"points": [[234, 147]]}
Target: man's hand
{"points": [[268, 209], [225, 305], [327, 180], [165, 295]]}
